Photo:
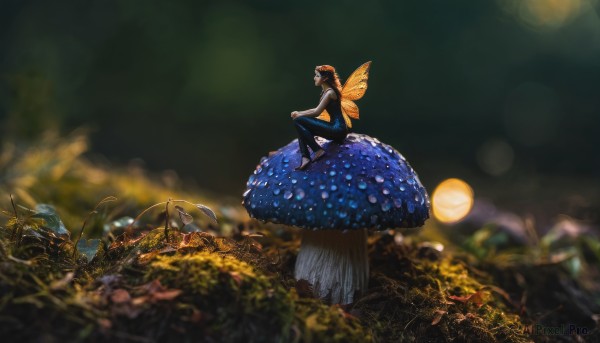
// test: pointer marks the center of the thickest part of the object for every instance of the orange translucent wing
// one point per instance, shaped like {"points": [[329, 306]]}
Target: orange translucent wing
{"points": [[350, 108], [356, 85], [324, 116], [347, 120]]}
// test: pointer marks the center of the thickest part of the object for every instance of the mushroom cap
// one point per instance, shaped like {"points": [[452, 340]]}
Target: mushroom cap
{"points": [[360, 183]]}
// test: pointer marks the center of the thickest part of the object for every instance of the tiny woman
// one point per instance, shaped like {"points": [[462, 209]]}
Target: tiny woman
{"points": [[308, 126]]}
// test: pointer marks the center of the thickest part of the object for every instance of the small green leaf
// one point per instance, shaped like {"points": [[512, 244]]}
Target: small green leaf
{"points": [[49, 215], [208, 212], [185, 217], [88, 247]]}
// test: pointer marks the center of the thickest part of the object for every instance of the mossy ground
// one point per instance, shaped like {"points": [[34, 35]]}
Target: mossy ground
{"points": [[234, 282]]}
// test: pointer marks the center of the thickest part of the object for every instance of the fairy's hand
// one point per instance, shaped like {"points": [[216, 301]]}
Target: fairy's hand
{"points": [[295, 115]]}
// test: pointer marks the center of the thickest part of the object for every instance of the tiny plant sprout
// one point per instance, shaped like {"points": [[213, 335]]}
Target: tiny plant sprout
{"points": [[360, 184], [185, 217]]}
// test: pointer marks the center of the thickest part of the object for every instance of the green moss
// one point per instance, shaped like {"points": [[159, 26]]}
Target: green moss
{"points": [[411, 297], [238, 301]]}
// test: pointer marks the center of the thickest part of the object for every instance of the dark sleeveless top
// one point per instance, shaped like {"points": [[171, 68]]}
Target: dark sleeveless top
{"points": [[334, 108]]}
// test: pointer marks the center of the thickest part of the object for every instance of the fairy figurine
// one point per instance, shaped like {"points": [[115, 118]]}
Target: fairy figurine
{"points": [[331, 119]]}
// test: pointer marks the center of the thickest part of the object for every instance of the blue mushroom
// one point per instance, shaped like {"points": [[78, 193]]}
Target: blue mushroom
{"points": [[359, 184]]}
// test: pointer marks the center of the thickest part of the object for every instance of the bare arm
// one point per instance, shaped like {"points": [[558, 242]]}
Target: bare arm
{"points": [[315, 112]]}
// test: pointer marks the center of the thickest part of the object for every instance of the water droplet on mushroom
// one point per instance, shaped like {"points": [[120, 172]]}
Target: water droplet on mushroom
{"points": [[286, 160], [379, 178], [348, 177], [372, 199], [294, 181], [347, 165], [287, 195], [327, 162], [324, 195], [362, 185], [353, 204], [402, 188], [322, 186], [299, 194], [332, 173], [333, 187], [342, 214], [276, 191], [275, 203], [270, 172], [411, 207], [312, 183], [247, 191], [385, 206], [385, 191], [329, 205], [259, 169], [398, 203], [253, 206], [417, 198]]}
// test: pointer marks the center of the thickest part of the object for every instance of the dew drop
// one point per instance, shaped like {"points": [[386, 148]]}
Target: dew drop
{"points": [[270, 172], [329, 205], [411, 207], [332, 173], [353, 204], [294, 181], [286, 160], [275, 203], [342, 214], [321, 186], [312, 183], [386, 206], [385, 191], [347, 165], [333, 188], [299, 194], [379, 178], [287, 195], [247, 191], [276, 191], [259, 169], [324, 195], [398, 203], [362, 185], [402, 188], [372, 199], [348, 177]]}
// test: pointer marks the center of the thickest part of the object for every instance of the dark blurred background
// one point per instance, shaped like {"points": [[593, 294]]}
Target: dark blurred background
{"points": [[496, 91]]}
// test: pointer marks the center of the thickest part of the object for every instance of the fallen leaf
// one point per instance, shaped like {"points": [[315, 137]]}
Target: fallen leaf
{"points": [[120, 296], [167, 295], [438, 317]]}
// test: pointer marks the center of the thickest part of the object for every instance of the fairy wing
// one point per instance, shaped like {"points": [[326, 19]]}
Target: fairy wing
{"points": [[324, 116], [356, 85], [354, 89]]}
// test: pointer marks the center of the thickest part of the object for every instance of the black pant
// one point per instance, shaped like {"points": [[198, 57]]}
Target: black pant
{"points": [[308, 128]]}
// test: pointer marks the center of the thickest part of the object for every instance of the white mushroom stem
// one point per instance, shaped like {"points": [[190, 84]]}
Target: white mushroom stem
{"points": [[334, 263]]}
